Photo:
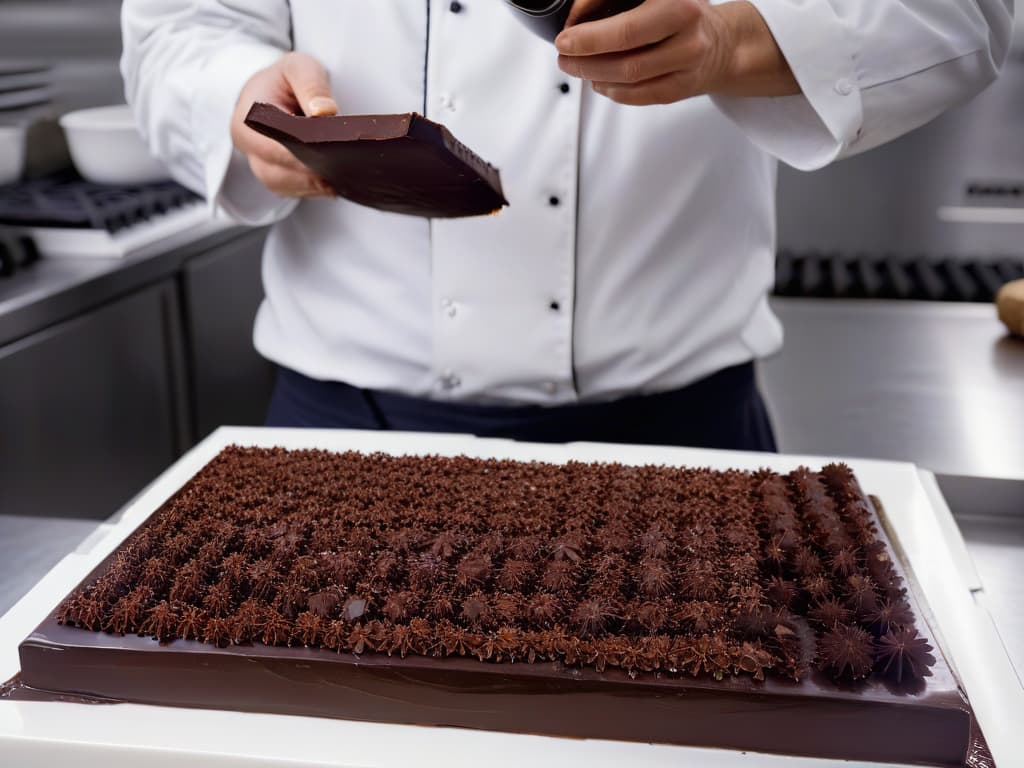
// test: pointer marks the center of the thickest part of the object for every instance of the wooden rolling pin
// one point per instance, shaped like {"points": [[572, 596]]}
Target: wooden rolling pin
{"points": [[1010, 303]]}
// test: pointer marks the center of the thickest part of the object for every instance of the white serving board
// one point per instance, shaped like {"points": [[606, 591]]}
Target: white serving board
{"points": [[52, 733]]}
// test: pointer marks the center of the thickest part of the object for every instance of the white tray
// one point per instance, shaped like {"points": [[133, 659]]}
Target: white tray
{"points": [[47, 734]]}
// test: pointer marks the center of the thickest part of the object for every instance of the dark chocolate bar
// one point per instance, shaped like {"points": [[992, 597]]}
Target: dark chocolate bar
{"points": [[400, 163]]}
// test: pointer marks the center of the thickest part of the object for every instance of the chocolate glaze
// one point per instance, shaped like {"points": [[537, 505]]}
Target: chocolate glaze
{"points": [[813, 717], [921, 720], [400, 163]]}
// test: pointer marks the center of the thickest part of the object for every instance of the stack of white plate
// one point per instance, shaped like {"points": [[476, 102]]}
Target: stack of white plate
{"points": [[25, 86]]}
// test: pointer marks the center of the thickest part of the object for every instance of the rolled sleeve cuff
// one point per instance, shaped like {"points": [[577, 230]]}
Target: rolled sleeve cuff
{"points": [[812, 129], [231, 188]]}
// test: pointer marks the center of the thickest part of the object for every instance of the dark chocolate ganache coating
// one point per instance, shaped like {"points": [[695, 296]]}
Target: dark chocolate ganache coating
{"points": [[745, 610]]}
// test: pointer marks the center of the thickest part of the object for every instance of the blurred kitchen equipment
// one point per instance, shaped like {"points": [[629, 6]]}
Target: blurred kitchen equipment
{"points": [[945, 201], [547, 17], [25, 97], [12, 152], [66, 216], [106, 147], [544, 18], [14, 80], [23, 84], [839, 275]]}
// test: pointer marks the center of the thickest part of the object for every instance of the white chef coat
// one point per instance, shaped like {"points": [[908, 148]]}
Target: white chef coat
{"points": [[638, 250]]}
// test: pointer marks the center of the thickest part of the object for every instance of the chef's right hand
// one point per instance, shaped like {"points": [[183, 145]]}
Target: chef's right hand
{"points": [[296, 83]]}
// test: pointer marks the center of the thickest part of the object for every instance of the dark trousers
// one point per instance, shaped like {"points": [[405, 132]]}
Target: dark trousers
{"points": [[724, 410]]}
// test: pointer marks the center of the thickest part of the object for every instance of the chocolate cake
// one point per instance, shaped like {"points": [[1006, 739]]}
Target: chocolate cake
{"points": [[398, 163], [751, 611]]}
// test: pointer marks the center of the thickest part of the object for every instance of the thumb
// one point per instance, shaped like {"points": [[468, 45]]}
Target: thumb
{"points": [[311, 85]]}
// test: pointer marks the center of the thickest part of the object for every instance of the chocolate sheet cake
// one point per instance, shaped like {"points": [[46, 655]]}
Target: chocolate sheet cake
{"points": [[752, 611], [398, 163]]}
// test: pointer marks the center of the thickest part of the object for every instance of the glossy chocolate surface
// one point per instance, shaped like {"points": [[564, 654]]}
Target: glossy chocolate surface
{"points": [[399, 163], [813, 717]]}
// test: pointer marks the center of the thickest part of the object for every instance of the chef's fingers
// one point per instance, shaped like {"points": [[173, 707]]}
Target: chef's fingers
{"points": [[255, 145], [658, 90], [682, 53], [287, 182], [649, 23], [582, 9], [310, 83]]}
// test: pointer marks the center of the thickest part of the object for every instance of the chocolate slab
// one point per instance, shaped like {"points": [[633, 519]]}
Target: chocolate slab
{"points": [[813, 717], [922, 720], [400, 163]]}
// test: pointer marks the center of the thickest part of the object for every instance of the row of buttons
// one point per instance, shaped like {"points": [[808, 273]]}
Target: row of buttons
{"points": [[450, 380], [448, 103], [457, 7], [451, 309]]}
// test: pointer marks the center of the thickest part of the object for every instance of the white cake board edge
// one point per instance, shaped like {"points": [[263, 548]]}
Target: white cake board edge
{"points": [[46, 734]]}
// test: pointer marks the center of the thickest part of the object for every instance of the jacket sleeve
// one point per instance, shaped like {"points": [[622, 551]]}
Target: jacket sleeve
{"points": [[870, 70], [184, 64]]}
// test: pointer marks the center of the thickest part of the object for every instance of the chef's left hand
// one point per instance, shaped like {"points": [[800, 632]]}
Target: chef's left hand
{"points": [[668, 50]]}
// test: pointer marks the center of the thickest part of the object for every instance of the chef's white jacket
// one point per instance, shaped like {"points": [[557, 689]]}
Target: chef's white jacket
{"points": [[638, 249]]}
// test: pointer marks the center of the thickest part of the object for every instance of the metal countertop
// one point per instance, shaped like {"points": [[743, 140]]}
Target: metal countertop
{"points": [[56, 289], [937, 384]]}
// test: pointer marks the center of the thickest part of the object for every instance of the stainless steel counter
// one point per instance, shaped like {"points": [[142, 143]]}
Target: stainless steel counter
{"points": [[52, 289], [30, 547], [937, 384]]}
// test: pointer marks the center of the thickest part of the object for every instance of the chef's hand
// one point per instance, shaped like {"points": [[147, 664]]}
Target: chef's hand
{"points": [[668, 50], [296, 83]]}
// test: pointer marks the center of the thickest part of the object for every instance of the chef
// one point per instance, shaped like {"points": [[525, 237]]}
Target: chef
{"points": [[622, 295]]}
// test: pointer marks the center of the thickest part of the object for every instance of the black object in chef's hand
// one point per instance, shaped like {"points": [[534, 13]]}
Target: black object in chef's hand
{"points": [[396, 163], [548, 17]]}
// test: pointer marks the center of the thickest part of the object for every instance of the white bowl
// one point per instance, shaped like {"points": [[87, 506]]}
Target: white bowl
{"points": [[12, 153], [106, 147]]}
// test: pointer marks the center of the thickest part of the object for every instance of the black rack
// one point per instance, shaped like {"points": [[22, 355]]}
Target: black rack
{"points": [[835, 275], [69, 202]]}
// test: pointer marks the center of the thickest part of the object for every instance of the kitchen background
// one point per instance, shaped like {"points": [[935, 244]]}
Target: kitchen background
{"points": [[110, 368]]}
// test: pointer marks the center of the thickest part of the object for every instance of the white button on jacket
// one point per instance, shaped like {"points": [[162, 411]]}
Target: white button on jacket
{"points": [[650, 229]]}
